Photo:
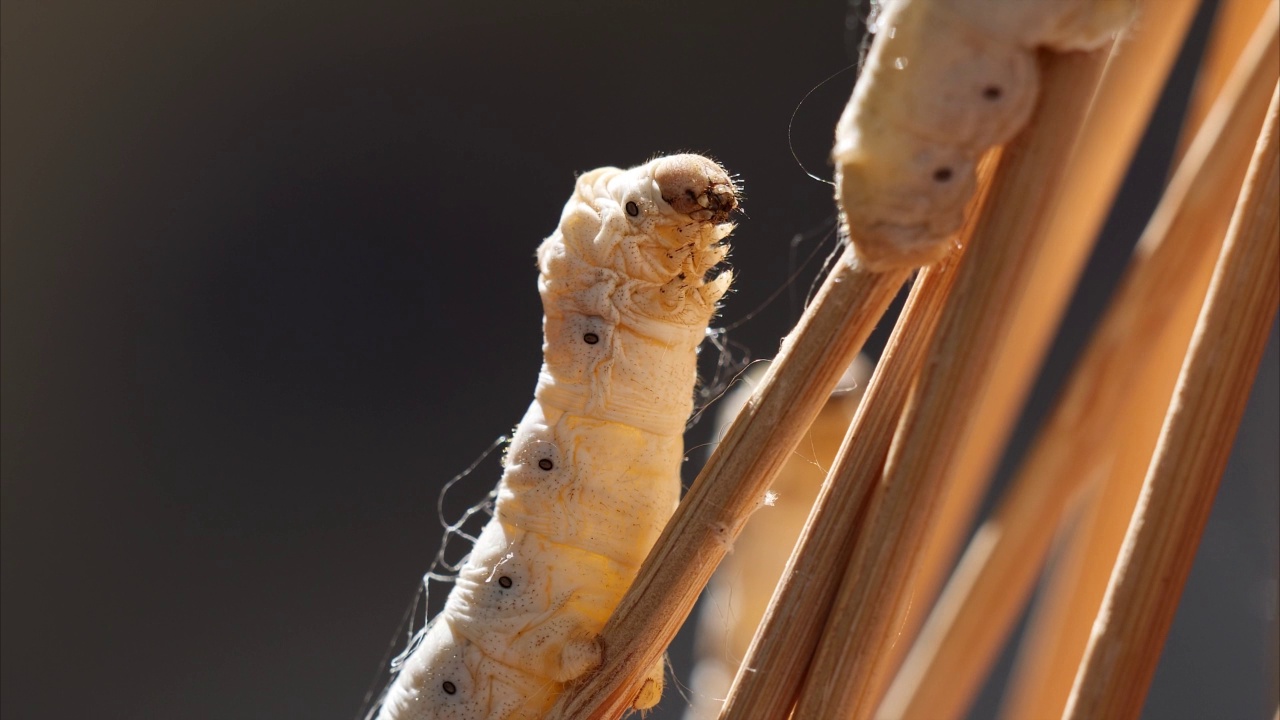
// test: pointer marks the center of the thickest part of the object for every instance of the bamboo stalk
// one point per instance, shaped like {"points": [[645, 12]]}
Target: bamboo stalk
{"points": [[846, 680], [1059, 631], [769, 678], [1192, 452], [989, 589], [732, 485], [1126, 97]]}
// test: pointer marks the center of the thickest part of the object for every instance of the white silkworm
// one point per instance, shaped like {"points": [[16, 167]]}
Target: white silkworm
{"points": [[944, 81], [593, 470]]}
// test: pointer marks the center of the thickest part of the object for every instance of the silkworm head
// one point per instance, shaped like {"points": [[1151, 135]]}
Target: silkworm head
{"points": [[695, 186]]}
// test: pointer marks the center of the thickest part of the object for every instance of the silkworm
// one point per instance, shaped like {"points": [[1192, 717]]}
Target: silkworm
{"points": [[593, 469], [944, 81]]}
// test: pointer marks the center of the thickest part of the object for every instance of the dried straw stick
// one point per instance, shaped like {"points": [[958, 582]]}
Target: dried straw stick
{"points": [[1192, 452], [738, 595], [847, 679], [989, 589], [1060, 627], [1233, 25], [1126, 97], [732, 485], [769, 678]]}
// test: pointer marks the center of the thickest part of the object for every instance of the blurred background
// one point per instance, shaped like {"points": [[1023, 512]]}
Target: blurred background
{"points": [[268, 283]]}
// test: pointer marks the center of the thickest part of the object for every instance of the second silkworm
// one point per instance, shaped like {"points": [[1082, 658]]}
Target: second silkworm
{"points": [[944, 81]]}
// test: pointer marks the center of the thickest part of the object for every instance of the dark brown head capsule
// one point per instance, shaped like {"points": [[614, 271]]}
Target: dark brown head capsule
{"points": [[697, 187]]}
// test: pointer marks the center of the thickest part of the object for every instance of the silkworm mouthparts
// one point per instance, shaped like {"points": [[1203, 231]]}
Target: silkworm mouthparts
{"points": [[697, 187]]}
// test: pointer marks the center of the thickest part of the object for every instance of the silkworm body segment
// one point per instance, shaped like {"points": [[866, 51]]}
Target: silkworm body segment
{"points": [[592, 472], [944, 81]]}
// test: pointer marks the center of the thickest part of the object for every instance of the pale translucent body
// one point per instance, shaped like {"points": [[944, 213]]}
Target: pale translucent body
{"points": [[593, 470], [944, 81]]}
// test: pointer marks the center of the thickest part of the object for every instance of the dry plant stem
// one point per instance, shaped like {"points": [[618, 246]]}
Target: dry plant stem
{"points": [[1192, 452], [1060, 626], [1126, 97], [768, 680], [989, 589], [1233, 25], [848, 673], [732, 485]]}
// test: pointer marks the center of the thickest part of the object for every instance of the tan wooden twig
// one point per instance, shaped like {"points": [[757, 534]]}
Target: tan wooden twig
{"points": [[768, 680], [738, 595], [732, 485], [987, 593], [1126, 98], [1192, 452], [846, 679], [1233, 25], [1060, 625]]}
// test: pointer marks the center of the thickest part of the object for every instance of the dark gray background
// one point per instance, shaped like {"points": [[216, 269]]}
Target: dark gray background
{"points": [[268, 283]]}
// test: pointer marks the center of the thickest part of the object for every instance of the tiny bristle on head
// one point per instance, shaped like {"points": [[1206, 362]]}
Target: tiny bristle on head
{"points": [[738, 188]]}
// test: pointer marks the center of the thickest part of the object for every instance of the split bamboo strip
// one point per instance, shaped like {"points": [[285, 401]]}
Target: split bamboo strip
{"points": [[1060, 626], [848, 674], [732, 485], [1126, 97], [769, 678], [1234, 23], [1192, 452], [986, 595]]}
